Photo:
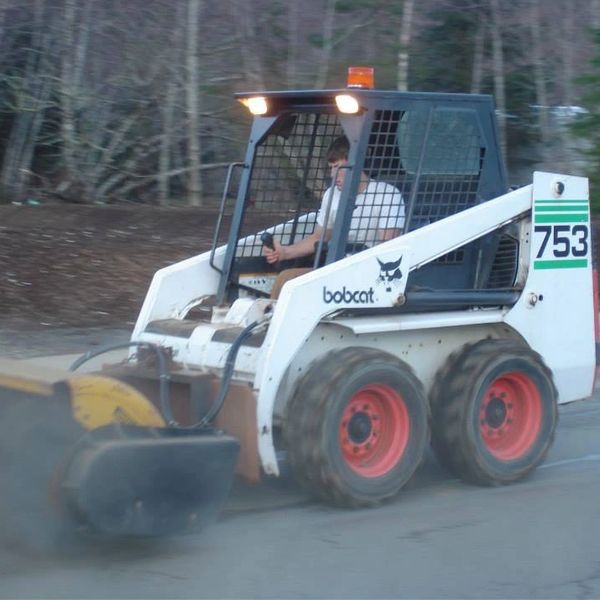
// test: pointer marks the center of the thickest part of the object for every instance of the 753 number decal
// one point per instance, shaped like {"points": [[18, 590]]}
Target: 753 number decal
{"points": [[565, 240]]}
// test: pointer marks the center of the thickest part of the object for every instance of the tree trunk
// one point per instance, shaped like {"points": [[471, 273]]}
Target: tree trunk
{"points": [[327, 47], [292, 58], [499, 76], [164, 159], [3, 7], [68, 129], [35, 125], [567, 71], [32, 92], [541, 92], [404, 50], [193, 104], [478, 48], [168, 125], [595, 10], [244, 16], [568, 35]]}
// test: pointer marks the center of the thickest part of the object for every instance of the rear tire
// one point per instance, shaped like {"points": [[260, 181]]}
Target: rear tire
{"points": [[494, 412], [357, 427]]}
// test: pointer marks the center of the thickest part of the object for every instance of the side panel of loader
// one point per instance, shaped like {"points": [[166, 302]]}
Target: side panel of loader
{"points": [[555, 313]]}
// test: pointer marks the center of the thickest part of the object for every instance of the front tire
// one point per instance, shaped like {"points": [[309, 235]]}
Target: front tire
{"points": [[357, 427], [494, 412]]}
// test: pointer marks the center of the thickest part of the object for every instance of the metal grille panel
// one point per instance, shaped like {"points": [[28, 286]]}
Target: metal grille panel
{"points": [[504, 268]]}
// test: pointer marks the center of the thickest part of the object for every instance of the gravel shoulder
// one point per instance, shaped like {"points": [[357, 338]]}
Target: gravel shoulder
{"points": [[30, 343]]}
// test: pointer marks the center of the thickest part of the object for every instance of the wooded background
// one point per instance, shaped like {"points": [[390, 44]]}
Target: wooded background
{"points": [[131, 101]]}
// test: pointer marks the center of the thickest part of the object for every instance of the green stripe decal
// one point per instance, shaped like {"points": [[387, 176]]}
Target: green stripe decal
{"points": [[558, 201], [561, 264], [558, 208], [568, 218]]}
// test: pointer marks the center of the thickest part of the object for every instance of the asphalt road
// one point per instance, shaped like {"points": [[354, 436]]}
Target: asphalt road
{"points": [[439, 539]]}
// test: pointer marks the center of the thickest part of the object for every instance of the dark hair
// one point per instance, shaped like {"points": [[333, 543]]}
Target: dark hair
{"points": [[338, 149]]}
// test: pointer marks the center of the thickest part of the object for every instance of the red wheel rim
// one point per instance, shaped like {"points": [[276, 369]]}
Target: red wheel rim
{"points": [[510, 416], [374, 430]]}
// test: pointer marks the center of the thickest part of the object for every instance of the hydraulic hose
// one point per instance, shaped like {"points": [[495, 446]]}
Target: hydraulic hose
{"points": [[217, 405], [164, 377], [163, 372]]}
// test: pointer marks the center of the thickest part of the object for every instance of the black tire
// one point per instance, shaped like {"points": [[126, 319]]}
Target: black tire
{"points": [[357, 427], [494, 412], [439, 441]]}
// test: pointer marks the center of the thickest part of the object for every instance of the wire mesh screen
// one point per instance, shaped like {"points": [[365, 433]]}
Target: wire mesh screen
{"points": [[447, 167], [432, 160], [380, 210], [446, 171], [289, 176]]}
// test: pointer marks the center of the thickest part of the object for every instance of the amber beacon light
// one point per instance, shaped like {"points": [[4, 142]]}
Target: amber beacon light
{"points": [[361, 77]]}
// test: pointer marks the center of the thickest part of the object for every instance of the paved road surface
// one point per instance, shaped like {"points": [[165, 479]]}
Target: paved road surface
{"points": [[439, 539]]}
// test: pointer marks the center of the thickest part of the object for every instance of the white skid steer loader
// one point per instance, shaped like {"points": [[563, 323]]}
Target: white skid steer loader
{"points": [[467, 329], [470, 327]]}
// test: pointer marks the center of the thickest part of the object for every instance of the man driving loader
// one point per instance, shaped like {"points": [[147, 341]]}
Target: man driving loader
{"points": [[378, 215]]}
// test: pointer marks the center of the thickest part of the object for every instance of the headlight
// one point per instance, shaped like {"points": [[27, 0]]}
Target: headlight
{"points": [[347, 104], [257, 105]]}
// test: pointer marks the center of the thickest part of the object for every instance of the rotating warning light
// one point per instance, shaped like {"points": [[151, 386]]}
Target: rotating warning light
{"points": [[361, 77]]}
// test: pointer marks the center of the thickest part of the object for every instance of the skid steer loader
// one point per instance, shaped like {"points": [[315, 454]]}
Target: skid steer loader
{"points": [[467, 330]]}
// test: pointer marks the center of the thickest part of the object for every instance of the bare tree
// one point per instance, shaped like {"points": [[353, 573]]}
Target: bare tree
{"points": [[30, 91], [541, 92], [478, 50], [403, 52], [193, 103], [567, 76], [567, 52], [327, 43], [112, 100], [595, 13], [498, 69], [68, 90], [293, 43], [244, 16]]}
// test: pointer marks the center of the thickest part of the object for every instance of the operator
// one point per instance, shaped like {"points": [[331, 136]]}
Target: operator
{"points": [[378, 215]]}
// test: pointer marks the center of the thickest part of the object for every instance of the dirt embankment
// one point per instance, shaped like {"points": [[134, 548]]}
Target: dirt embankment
{"points": [[89, 266]]}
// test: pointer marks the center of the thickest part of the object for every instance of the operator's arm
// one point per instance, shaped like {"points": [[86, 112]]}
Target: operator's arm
{"points": [[390, 234], [304, 247]]}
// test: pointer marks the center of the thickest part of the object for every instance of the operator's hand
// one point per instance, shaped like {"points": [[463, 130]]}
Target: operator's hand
{"points": [[273, 256]]}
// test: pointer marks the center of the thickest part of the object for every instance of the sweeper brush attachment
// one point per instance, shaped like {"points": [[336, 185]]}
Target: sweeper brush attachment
{"points": [[91, 453]]}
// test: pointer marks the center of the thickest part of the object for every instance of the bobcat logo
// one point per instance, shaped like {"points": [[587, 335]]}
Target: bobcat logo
{"points": [[389, 273]]}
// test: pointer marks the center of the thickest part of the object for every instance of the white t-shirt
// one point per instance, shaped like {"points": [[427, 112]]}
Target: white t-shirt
{"points": [[379, 207]]}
